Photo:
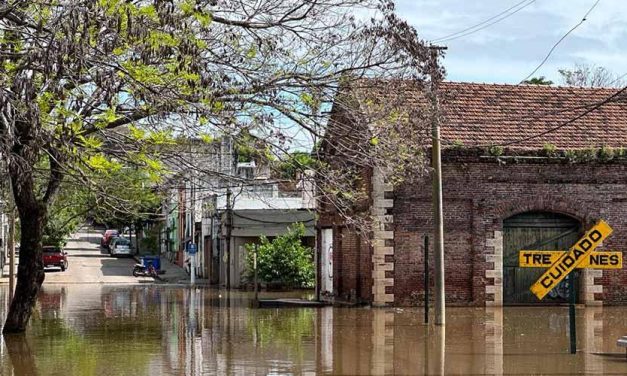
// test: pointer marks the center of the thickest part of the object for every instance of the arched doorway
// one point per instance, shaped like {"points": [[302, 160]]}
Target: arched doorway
{"points": [[535, 231]]}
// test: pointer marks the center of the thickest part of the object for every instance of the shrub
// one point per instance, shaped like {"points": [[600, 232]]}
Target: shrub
{"points": [[284, 260], [496, 150], [606, 153], [549, 149]]}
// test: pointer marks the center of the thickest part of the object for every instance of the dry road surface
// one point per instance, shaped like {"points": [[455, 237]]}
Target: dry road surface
{"points": [[89, 264]]}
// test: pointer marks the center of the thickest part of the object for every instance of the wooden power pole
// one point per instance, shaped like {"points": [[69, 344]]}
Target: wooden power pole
{"points": [[229, 224], [11, 247], [436, 163]]}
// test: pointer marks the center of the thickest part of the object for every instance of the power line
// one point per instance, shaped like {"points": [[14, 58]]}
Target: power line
{"points": [[532, 117], [583, 114], [560, 41], [486, 23], [609, 99], [270, 222], [500, 95], [617, 79]]}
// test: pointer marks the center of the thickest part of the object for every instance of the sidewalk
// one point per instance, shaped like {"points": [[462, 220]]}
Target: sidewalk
{"points": [[4, 273]]}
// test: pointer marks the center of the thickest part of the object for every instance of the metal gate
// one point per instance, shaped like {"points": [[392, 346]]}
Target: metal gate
{"points": [[535, 231]]}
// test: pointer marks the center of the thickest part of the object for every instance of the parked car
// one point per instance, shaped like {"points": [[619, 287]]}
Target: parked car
{"points": [[106, 238], [120, 247], [55, 256]]}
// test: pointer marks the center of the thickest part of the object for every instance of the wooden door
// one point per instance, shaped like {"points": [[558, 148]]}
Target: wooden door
{"points": [[326, 262], [537, 231]]}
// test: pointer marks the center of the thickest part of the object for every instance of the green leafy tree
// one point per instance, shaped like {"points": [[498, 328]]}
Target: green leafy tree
{"points": [[64, 218], [296, 162], [538, 81], [123, 198], [98, 87], [284, 260], [119, 199]]}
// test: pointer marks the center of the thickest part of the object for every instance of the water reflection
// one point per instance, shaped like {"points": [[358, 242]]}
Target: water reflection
{"points": [[154, 330], [20, 355]]}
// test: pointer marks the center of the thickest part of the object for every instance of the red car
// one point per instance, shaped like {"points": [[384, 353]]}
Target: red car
{"points": [[107, 236], [54, 256]]}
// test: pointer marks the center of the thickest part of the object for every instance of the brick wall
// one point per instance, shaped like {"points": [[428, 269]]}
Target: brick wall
{"points": [[478, 195], [352, 252]]}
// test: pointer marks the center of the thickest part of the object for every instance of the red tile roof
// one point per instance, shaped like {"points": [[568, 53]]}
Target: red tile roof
{"points": [[484, 114], [514, 116]]}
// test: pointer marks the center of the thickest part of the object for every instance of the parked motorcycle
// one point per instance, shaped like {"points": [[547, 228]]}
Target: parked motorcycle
{"points": [[145, 271]]}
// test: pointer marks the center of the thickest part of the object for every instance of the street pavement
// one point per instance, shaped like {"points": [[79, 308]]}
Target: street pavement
{"points": [[88, 263]]}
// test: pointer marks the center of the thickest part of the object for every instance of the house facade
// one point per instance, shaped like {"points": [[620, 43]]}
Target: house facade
{"points": [[221, 204], [255, 210], [523, 167]]}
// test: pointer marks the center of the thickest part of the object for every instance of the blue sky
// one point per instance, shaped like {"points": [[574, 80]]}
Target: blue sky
{"points": [[508, 51]]}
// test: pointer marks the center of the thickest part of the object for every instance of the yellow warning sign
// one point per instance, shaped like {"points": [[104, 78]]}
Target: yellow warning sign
{"points": [[595, 260], [569, 260]]}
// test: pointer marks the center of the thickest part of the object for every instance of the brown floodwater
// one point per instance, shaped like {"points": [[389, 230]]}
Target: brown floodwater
{"points": [[161, 330]]}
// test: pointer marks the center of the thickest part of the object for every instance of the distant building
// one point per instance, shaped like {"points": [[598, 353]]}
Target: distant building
{"points": [[196, 210], [561, 168]]}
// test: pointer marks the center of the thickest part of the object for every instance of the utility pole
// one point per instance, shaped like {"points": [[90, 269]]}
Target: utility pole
{"points": [[11, 246], [255, 280], [192, 255], [229, 224], [426, 278], [436, 163]]}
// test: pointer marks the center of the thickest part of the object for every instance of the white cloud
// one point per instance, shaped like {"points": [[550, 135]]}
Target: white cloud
{"points": [[511, 49]]}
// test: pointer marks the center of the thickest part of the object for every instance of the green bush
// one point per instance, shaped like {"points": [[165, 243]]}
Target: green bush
{"points": [[296, 162], [284, 260], [496, 150]]}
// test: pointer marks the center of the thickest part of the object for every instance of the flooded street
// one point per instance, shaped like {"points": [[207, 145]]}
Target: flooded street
{"points": [[170, 330]]}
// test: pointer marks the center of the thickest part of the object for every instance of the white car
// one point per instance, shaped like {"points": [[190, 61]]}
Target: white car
{"points": [[120, 247]]}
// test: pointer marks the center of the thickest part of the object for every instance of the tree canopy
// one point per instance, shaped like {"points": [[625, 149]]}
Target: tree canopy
{"points": [[538, 81], [90, 90], [586, 75]]}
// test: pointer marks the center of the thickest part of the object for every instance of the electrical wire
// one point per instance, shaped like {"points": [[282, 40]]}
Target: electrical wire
{"points": [[270, 222], [485, 24], [560, 41], [609, 99], [617, 79], [546, 58], [589, 110]]}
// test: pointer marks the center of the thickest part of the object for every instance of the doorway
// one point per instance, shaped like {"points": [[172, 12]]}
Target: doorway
{"points": [[535, 231], [326, 262]]}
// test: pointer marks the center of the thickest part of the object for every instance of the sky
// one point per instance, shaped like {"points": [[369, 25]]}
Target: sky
{"points": [[508, 51]]}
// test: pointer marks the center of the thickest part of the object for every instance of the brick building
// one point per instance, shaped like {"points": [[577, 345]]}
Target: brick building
{"points": [[559, 168]]}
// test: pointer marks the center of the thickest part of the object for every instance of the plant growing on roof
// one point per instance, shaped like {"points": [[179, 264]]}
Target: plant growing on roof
{"points": [[606, 153], [496, 150], [549, 149]]}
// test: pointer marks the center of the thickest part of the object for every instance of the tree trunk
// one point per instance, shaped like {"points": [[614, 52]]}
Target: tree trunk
{"points": [[30, 272]]}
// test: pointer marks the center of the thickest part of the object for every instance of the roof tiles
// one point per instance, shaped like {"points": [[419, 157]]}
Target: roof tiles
{"points": [[530, 116]]}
